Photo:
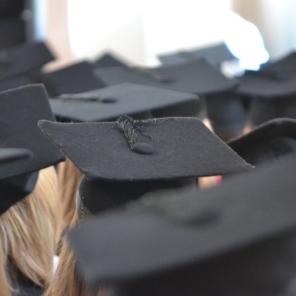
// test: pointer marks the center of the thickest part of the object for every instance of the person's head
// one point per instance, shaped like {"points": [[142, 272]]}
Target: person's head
{"points": [[66, 280], [29, 232], [69, 179], [125, 159], [29, 201]]}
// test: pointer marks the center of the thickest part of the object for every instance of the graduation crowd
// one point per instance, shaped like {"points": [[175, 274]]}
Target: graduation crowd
{"points": [[100, 176]]}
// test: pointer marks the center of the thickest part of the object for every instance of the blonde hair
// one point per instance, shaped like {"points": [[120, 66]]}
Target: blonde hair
{"points": [[69, 179], [29, 233], [66, 281]]}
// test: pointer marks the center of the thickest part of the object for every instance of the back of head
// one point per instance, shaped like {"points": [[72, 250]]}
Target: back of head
{"points": [[66, 280], [29, 233], [69, 179]]}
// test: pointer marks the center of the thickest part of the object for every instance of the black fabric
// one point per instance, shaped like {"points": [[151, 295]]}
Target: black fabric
{"points": [[100, 195], [181, 148], [272, 90], [8, 155], [20, 110], [12, 31], [126, 98], [75, 78], [108, 60], [226, 112], [22, 59], [11, 7], [266, 85], [197, 77], [24, 286], [29, 291], [16, 81], [234, 239], [215, 54], [268, 142], [16, 188], [284, 66], [264, 110]]}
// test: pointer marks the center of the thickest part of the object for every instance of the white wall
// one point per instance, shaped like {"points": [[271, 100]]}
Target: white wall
{"points": [[139, 29], [276, 19]]}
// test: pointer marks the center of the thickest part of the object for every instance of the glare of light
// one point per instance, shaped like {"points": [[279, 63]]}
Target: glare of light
{"points": [[245, 42], [39, 15]]}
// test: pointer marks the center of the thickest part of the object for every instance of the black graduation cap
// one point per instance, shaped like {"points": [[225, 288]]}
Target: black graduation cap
{"points": [[10, 8], [107, 60], [197, 77], [215, 54], [75, 78], [15, 82], [274, 79], [8, 155], [12, 31], [227, 113], [23, 59], [267, 142], [283, 66], [271, 91], [234, 239], [20, 110], [123, 160], [111, 102]]}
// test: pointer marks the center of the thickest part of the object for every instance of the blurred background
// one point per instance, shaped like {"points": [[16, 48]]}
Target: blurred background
{"points": [[139, 30]]}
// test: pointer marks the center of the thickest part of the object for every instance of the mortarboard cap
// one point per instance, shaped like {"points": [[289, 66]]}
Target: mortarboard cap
{"points": [[8, 155], [267, 84], [111, 102], [197, 77], [267, 142], [107, 60], [125, 159], [176, 148], [23, 59], [215, 54], [15, 82], [227, 114], [20, 110], [11, 8], [234, 239], [272, 90], [12, 31], [283, 66], [75, 78]]}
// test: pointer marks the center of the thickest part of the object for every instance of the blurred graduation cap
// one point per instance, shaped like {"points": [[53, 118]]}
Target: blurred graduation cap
{"points": [[12, 31], [8, 155], [111, 102], [268, 142], [283, 66], [197, 77], [234, 239], [14, 82], [11, 8], [123, 160], [272, 91], [20, 110], [227, 113], [215, 54], [23, 59], [75, 78], [267, 84], [107, 60]]}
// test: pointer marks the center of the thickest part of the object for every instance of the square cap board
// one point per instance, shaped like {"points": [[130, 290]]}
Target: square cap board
{"points": [[235, 239], [111, 102], [197, 77]]}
